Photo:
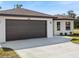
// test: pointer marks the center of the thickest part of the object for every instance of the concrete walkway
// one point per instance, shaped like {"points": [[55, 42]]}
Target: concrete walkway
{"points": [[43, 48]]}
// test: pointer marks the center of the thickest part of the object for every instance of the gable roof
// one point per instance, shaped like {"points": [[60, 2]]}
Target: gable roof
{"points": [[24, 12], [62, 17]]}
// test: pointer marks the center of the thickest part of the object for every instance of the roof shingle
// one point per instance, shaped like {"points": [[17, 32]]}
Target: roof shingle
{"points": [[62, 17], [25, 12]]}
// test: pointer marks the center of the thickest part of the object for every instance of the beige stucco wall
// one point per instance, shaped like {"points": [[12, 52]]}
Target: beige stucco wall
{"points": [[3, 25], [62, 27]]}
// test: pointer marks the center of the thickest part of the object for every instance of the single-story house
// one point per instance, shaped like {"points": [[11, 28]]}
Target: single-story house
{"points": [[20, 23]]}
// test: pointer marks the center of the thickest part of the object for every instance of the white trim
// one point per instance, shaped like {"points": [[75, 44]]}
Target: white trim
{"points": [[3, 25], [2, 30]]}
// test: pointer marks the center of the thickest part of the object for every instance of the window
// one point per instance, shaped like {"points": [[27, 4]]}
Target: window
{"points": [[58, 26], [67, 25]]}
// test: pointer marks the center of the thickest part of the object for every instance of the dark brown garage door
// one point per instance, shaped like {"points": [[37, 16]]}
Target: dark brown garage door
{"points": [[24, 29]]}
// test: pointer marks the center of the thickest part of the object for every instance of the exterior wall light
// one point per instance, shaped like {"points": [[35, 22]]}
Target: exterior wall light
{"points": [[50, 22]]}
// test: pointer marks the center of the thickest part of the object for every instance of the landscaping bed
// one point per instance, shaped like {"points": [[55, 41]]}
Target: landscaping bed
{"points": [[75, 36], [7, 53], [75, 41]]}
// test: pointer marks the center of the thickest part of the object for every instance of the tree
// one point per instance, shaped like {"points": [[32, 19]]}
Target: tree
{"points": [[71, 14], [19, 5], [76, 22]]}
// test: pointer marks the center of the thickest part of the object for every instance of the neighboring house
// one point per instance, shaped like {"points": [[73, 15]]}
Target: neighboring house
{"points": [[20, 23], [63, 25]]}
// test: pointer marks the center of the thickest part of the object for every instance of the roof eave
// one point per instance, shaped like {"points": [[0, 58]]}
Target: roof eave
{"points": [[63, 19], [26, 15]]}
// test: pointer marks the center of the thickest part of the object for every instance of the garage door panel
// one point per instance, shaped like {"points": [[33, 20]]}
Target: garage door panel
{"points": [[24, 29]]}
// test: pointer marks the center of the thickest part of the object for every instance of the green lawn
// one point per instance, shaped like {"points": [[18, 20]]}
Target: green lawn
{"points": [[8, 53], [76, 31], [75, 37], [75, 41]]}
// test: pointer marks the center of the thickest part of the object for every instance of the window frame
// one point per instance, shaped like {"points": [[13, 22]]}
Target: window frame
{"points": [[68, 25], [58, 26]]}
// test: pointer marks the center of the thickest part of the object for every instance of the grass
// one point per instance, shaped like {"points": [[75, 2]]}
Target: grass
{"points": [[8, 53], [76, 31], [75, 41], [75, 37]]}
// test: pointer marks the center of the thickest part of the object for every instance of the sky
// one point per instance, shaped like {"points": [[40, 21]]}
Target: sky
{"points": [[48, 7]]}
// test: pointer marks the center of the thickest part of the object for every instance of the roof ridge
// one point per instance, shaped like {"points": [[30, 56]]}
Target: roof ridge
{"points": [[35, 11]]}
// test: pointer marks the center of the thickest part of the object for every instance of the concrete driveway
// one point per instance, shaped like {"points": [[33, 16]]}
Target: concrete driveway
{"points": [[44, 47]]}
